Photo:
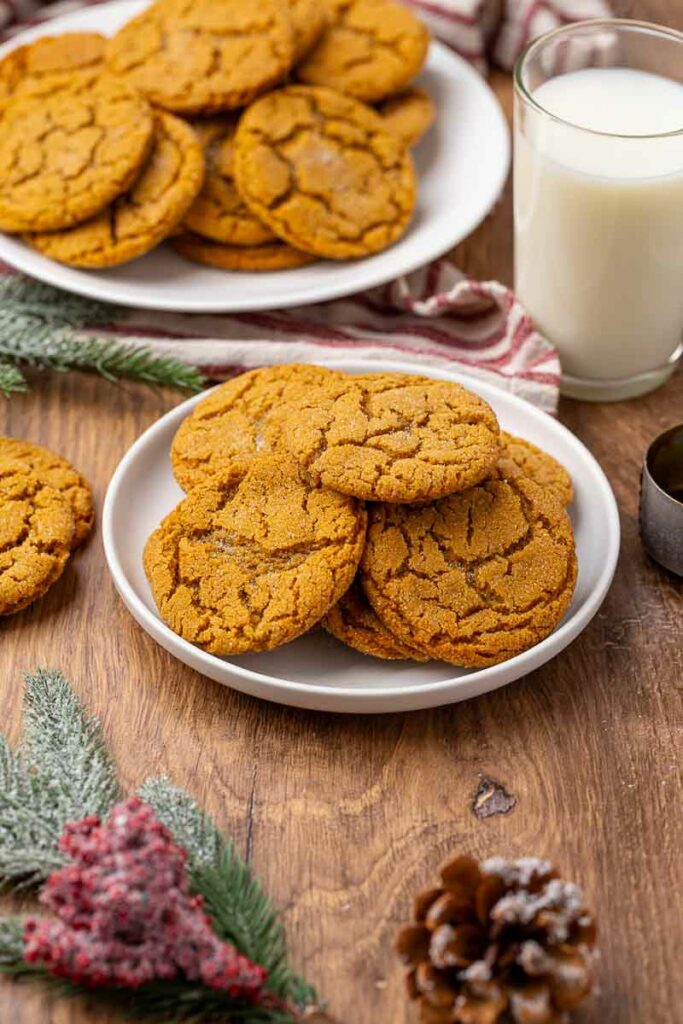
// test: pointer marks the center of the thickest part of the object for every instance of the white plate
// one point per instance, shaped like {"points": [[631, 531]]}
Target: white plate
{"points": [[316, 671], [462, 163]]}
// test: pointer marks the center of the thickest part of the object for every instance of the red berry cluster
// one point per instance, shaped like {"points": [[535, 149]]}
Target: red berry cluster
{"points": [[125, 911]]}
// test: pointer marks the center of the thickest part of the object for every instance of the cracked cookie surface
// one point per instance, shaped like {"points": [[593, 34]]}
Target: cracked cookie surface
{"points": [[36, 536], [371, 49], [64, 157], [393, 437], [136, 222], [269, 256], [309, 18], [475, 578], [409, 115], [236, 421], [54, 471], [200, 56], [321, 170], [251, 565], [42, 67], [522, 458], [355, 623], [219, 212]]}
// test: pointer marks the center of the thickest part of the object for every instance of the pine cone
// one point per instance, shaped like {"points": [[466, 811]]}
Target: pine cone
{"points": [[504, 942]]}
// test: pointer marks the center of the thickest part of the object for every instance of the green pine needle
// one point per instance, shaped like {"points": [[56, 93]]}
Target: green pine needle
{"points": [[61, 773], [39, 327], [12, 380]]}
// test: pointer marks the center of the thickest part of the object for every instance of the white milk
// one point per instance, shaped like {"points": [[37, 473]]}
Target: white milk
{"points": [[599, 220]]}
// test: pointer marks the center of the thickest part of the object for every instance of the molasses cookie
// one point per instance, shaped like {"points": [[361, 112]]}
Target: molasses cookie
{"points": [[393, 437], [275, 255], [136, 222], [65, 156], [354, 621], [42, 67], [249, 565], [409, 115], [322, 172], [522, 458], [309, 19], [475, 578]]}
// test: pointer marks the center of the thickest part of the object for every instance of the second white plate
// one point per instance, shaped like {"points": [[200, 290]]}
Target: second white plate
{"points": [[316, 671], [462, 164]]}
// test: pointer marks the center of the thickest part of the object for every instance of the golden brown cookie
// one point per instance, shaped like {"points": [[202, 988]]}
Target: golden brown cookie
{"points": [[36, 536], [353, 621], [309, 19], [201, 56], [250, 565], [236, 421], [475, 578], [522, 458], [136, 222], [371, 49], [54, 471], [393, 437], [42, 67], [64, 157], [269, 256], [322, 172], [409, 115], [219, 212]]}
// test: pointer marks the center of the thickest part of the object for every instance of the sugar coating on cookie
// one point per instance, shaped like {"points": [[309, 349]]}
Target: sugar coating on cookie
{"points": [[41, 67], [394, 437], [136, 222], [475, 578], [354, 622], [219, 212], [54, 471], [321, 170], [522, 458], [201, 56], [65, 156], [250, 565], [36, 536], [409, 115], [236, 421], [371, 49], [269, 256]]}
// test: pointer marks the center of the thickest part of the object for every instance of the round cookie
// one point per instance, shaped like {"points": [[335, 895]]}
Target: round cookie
{"points": [[522, 458], [36, 536], [269, 256], [237, 421], [250, 565], [322, 172], [354, 621], [371, 49], [476, 578], [136, 222], [219, 212], [409, 115], [42, 67], [54, 471], [309, 18], [201, 56], [65, 156], [393, 437]]}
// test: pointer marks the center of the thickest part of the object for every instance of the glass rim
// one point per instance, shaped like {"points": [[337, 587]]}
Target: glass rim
{"points": [[619, 23]]}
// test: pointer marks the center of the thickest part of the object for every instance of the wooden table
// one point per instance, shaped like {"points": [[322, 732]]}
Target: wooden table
{"points": [[345, 817]]}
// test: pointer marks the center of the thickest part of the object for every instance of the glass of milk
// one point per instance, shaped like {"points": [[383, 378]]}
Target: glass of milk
{"points": [[598, 201]]}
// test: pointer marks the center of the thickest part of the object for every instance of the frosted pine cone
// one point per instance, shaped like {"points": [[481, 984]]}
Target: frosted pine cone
{"points": [[502, 942]]}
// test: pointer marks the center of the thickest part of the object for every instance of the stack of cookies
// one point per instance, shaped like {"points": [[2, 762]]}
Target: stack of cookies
{"points": [[46, 512], [388, 508], [239, 131]]}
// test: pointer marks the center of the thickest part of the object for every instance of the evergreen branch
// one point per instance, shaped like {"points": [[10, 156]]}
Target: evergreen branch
{"points": [[39, 326], [61, 773], [12, 380], [241, 912]]}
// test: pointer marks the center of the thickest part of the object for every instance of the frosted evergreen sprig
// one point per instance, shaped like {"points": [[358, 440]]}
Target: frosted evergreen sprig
{"points": [[41, 326], [61, 772]]}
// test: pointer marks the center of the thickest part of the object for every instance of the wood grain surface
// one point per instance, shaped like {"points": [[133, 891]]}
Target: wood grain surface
{"points": [[345, 817]]}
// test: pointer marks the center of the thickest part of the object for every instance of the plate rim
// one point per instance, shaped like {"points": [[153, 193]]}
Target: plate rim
{"points": [[509, 671], [90, 285]]}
